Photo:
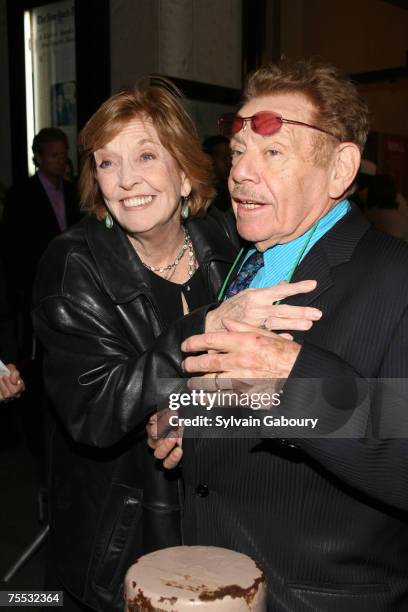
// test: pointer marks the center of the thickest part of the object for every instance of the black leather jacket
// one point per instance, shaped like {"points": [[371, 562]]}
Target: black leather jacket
{"points": [[106, 358]]}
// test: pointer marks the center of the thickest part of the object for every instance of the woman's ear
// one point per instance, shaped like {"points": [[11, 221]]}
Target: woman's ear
{"points": [[346, 163], [185, 185]]}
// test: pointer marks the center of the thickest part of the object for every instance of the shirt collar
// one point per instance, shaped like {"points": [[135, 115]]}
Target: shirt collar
{"points": [[324, 224], [279, 260], [47, 184]]}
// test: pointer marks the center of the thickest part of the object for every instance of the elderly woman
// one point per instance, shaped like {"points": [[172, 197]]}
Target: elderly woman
{"points": [[109, 304]]}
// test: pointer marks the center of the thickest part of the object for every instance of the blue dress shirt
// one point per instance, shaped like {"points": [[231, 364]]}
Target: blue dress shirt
{"points": [[279, 259]]}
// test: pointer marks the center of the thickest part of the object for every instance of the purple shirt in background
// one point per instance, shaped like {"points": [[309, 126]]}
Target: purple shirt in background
{"points": [[56, 197]]}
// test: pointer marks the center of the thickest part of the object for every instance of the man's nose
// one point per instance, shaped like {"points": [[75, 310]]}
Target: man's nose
{"points": [[245, 168]]}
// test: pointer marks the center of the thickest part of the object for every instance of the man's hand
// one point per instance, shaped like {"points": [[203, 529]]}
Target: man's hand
{"points": [[165, 447], [243, 353], [11, 385], [257, 307]]}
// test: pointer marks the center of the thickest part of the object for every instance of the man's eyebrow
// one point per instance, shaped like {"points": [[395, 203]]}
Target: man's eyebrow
{"points": [[237, 138]]}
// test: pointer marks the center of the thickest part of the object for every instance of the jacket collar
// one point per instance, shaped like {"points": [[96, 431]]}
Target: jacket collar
{"points": [[334, 248], [123, 274], [211, 241]]}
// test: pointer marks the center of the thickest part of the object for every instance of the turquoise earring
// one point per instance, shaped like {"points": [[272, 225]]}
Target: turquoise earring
{"points": [[185, 211], [108, 221]]}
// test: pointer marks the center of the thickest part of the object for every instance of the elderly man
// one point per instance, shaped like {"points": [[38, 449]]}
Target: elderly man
{"points": [[37, 209], [325, 517]]}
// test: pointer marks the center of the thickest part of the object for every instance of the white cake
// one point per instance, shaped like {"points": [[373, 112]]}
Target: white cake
{"points": [[187, 578]]}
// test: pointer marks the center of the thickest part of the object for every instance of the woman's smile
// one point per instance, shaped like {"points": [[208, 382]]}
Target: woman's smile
{"points": [[137, 201]]}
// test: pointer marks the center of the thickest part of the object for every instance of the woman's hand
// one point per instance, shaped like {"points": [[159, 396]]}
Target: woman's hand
{"points": [[11, 385], [166, 442], [257, 307]]}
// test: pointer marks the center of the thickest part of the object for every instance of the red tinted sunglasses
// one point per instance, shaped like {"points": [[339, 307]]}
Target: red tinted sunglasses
{"points": [[264, 123]]}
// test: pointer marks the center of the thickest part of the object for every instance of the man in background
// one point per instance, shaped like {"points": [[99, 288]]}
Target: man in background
{"points": [[36, 210], [217, 147], [11, 385]]}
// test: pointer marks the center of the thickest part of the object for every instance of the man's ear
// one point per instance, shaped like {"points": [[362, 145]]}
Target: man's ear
{"points": [[37, 159], [345, 166], [185, 185]]}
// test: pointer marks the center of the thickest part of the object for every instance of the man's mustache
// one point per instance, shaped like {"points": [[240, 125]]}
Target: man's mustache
{"points": [[243, 194]]}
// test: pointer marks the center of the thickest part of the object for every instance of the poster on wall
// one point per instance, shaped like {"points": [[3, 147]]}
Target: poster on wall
{"points": [[53, 69]]}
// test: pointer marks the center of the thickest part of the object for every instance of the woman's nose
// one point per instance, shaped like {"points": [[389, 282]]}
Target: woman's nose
{"points": [[128, 176]]}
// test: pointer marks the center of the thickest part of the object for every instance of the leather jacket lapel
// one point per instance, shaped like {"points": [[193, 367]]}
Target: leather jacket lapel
{"points": [[212, 245], [120, 269]]}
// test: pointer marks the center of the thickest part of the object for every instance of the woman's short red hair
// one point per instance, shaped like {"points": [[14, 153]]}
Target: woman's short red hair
{"points": [[159, 100]]}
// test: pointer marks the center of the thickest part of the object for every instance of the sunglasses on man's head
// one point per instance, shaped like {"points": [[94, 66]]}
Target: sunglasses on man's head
{"points": [[264, 123]]}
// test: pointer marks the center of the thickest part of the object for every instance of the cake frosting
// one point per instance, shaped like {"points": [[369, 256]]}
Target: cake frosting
{"points": [[187, 578]]}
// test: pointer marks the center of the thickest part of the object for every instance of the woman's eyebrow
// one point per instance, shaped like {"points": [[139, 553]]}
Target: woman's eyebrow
{"points": [[148, 141], [138, 143]]}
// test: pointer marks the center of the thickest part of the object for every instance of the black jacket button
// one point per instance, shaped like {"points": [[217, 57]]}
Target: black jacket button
{"points": [[202, 490], [287, 443]]}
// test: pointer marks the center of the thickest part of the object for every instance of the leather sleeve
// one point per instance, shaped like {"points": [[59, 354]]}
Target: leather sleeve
{"points": [[101, 388]]}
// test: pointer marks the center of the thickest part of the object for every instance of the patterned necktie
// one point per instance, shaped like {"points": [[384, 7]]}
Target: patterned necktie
{"points": [[244, 277]]}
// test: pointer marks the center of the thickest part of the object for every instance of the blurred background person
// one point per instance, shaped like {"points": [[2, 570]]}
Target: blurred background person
{"points": [[11, 385], [218, 148], [69, 174], [36, 210], [385, 208], [365, 175]]}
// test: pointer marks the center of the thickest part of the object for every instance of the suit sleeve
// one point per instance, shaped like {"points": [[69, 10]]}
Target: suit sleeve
{"points": [[371, 457]]}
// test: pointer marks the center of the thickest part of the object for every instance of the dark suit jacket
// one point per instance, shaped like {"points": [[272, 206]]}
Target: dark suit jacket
{"points": [[28, 226], [325, 518]]}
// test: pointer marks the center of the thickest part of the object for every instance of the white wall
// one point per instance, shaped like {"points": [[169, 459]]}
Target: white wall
{"points": [[198, 40]]}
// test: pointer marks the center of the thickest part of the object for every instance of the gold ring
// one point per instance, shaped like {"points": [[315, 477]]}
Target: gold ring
{"points": [[216, 381]]}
